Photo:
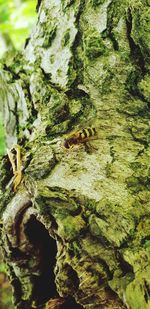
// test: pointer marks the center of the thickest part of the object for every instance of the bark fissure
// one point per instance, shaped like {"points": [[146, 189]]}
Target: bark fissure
{"points": [[136, 53]]}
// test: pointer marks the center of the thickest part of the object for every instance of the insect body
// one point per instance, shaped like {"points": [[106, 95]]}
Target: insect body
{"points": [[78, 137]]}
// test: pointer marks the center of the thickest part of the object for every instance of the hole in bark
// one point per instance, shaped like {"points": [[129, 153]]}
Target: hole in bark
{"points": [[44, 251]]}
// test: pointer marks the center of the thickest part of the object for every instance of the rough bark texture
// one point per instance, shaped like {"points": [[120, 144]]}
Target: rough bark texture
{"points": [[84, 211]]}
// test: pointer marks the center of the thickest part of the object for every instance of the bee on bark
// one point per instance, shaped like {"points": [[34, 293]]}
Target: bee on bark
{"points": [[81, 136]]}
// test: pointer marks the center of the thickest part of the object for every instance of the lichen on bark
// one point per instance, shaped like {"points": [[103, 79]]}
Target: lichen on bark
{"points": [[78, 225]]}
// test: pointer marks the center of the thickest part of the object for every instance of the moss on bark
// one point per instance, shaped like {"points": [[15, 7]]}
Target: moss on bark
{"points": [[86, 64]]}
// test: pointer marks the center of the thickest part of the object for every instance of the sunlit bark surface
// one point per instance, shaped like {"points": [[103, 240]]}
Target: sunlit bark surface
{"points": [[77, 227]]}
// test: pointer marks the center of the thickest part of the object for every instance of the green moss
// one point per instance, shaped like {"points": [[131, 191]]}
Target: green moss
{"points": [[75, 248], [90, 205], [134, 107], [75, 107], [42, 163], [141, 132], [54, 202], [67, 3], [52, 59], [40, 90], [114, 229], [137, 184], [103, 206], [95, 3], [93, 45], [15, 63], [144, 87], [94, 226], [98, 228], [116, 10], [72, 73], [146, 244], [99, 253], [107, 82], [88, 233], [138, 290], [56, 113], [108, 169], [66, 38], [70, 227], [144, 196], [140, 27], [49, 36], [140, 170], [132, 80], [67, 280]]}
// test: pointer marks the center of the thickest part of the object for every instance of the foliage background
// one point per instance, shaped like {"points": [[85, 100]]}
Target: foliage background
{"points": [[17, 18]]}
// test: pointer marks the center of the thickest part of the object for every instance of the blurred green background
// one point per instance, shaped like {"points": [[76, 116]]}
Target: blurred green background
{"points": [[17, 18], [16, 21]]}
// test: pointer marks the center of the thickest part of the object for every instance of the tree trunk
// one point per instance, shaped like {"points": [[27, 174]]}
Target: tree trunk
{"points": [[77, 227]]}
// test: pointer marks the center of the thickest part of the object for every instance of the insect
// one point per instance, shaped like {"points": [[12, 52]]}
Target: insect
{"points": [[81, 136], [16, 167]]}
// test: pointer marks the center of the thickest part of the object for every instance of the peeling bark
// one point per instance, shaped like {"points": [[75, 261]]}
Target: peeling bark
{"points": [[78, 227]]}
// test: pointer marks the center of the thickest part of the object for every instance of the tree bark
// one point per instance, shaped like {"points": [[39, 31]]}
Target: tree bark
{"points": [[78, 225]]}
